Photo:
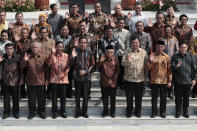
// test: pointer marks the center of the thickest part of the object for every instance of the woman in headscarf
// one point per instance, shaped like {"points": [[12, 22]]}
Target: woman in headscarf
{"points": [[42, 22]]}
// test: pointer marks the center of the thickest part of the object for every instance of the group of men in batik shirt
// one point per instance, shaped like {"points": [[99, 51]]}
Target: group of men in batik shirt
{"points": [[127, 50]]}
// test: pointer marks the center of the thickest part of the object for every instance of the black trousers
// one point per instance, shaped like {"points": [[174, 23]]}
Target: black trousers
{"points": [[106, 92], [36, 93], [58, 90], [182, 96], [121, 74], [14, 92], [70, 78], [84, 86], [155, 88], [132, 88]]}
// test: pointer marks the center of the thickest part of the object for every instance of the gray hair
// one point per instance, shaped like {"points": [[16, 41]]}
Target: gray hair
{"points": [[36, 41]]}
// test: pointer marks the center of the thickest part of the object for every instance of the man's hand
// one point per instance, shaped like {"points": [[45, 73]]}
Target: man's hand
{"points": [[130, 57], [26, 57], [152, 57], [193, 83], [82, 72], [169, 84], [1, 58], [102, 59], [129, 15], [179, 64], [67, 15], [74, 53]]}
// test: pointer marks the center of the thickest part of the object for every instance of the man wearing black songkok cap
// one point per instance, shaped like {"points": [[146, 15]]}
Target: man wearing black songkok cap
{"points": [[160, 77]]}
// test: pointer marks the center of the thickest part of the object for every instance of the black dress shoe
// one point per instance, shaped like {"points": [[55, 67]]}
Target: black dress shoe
{"points": [[5, 116], [54, 115], [85, 115], [185, 114], [178, 114], [129, 114], [153, 115], [163, 115], [105, 114], [31, 116], [138, 115], [63, 115], [193, 95], [170, 96], [42, 115], [16, 116], [113, 115], [77, 115]]}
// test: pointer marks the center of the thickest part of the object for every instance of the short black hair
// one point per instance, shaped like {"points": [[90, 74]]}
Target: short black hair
{"points": [[121, 18], [9, 44], [3, 11], [107, 27], [134, 38], [58, 42], [183, 15], [83, 37], [4, 31], [42, 28], [159, 12], [74, 4], [138, 23], [169, 6], [168, 26], [137, 4], [96, 1], [81, 21], [18, 13], [52, 5], [183, 42]]}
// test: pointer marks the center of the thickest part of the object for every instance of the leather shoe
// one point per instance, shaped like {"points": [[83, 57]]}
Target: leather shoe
{"points": [[170, 96], [153, 115], [54, 115], [163, 115], [138, 115], [105, 114], [77, 115], [31, 116], [178, 114], [16, 116], [85, 115], [63, 115], [5, 116], [185, 114], [112, 115], [42, 115], [129, 114]]}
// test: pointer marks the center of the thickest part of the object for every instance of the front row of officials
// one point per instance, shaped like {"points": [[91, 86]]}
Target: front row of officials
{"points": [[180, 71]]}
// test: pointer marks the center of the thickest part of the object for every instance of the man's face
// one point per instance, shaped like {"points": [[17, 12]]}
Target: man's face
{"points": [[54, 10], [4, 37], [183, 48], [19, 18], [74, 9], [97, 7], [109, 33], [168, 31], [183, 20], [159, 48], [159, 18], [64, 31], [83, 44], [59, 47], [109, 53], [2, 16], [35, 48], [24, 34], [43, 33], [135, 44], [82, 27], [118, 9], [170, 11], [138, 9], [9, 50], [140, 27], [121, 24]]}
